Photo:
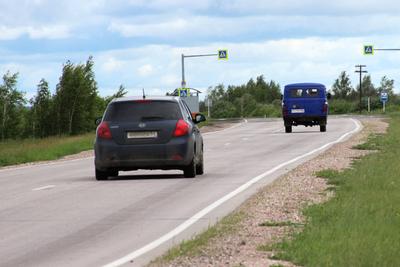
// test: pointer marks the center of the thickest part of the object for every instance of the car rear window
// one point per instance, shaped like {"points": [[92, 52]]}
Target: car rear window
{"points": [[143, 110], [305, 92]]}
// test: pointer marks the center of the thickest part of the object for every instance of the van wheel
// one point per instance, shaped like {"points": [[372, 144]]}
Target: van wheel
{"points": [[190, 170], [288, 129], [101, 176], [322, 128]]}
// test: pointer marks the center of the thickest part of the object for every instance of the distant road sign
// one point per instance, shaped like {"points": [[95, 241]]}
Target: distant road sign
{"points": [[384, 97], [223, 54], [183, 92], [368, 50]]}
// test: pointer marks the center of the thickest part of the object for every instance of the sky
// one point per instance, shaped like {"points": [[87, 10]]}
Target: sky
{"points": [[138, 43]]}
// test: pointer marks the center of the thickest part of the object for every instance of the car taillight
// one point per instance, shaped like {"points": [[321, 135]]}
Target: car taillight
{"points": [[181, 128], [325, 108], [103, 131]]}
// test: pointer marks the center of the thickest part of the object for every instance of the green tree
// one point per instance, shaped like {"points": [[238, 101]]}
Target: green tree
{"points": [[342, 86], [368, 88], [386, 85], [11, 102], [75, 98], [41, 109]]}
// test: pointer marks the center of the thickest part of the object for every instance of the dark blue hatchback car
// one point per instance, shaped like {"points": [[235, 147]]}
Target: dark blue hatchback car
{"points": [[150, 133], [305, 104]]}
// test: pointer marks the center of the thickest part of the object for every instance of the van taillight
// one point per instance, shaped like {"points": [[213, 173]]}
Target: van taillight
{"points": [[284, 110], [325, 108], [181, 128], [103, 131]]}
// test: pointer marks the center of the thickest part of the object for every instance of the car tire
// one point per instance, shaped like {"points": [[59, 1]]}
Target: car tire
{"points": [[288, 129], [322, 128], [200, 165], [190, 170], [101, 175], [113, 173]]}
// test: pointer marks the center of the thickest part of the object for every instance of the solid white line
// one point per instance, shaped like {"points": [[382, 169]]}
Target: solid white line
{"points": [[43, 187], [186, 224]]}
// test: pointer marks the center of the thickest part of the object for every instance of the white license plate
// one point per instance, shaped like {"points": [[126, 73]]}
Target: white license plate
{"points": [[299, 110], [142, 135]]}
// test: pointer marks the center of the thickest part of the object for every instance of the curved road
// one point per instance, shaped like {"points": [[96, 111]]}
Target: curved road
{"points": [[58, 215]]}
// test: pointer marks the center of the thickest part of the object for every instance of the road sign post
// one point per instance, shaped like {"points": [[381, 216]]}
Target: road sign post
{"points": [[384, 98], [222, 54]]}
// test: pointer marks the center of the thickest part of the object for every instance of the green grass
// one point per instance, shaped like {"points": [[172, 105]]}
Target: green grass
{"points": [[194, 246], [30, 150], [360, 226]]}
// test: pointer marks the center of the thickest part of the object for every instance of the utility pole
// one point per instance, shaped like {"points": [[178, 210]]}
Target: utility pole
{"points": [[360, 71]]}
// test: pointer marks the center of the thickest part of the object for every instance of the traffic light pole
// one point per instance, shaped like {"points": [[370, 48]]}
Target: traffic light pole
{"points": [[361, 71], [183, 83]]}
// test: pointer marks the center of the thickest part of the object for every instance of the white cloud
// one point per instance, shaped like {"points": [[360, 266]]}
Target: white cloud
{"points": [[110, 64], [145, 70], [42, 32]]}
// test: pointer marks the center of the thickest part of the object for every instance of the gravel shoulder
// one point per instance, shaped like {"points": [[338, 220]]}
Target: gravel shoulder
{"points": [[281, 202]]}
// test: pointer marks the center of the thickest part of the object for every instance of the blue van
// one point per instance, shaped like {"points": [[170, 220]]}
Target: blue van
{"points": [[305, 104]]}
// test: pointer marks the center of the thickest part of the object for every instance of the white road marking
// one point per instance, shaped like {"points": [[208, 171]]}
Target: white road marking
{"points": [[227, 144], [44, 187], [245, 138], [186, 224]]}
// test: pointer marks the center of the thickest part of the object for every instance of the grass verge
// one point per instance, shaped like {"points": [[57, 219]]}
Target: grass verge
{"points": [[29, 150], [360, 225]]}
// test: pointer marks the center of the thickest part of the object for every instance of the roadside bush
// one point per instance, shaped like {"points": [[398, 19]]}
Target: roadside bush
{"points": [[340, 106]]}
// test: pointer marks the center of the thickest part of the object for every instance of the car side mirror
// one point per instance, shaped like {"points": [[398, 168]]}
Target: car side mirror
{"points": [[198, 117], [281, 97], [328, 96], [97, 121]]}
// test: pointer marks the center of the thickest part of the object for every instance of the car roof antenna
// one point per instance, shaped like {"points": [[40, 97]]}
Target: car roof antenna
{"points": [[144, 95]]}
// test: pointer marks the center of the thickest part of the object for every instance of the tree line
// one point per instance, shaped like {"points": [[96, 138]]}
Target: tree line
{"points": [[346, 98], [71, 110], [76, 103], [256, 98], [260, 98]]}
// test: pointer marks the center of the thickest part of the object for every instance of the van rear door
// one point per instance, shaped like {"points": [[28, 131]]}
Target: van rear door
{"points": [[304, 101]]}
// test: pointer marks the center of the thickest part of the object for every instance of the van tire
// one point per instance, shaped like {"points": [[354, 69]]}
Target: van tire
{"points": [[322, 128], [288, 128]]}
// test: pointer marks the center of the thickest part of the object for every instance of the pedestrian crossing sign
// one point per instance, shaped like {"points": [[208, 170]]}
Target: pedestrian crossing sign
{"points": [[368, 50], [183, 92], [223, 54]]}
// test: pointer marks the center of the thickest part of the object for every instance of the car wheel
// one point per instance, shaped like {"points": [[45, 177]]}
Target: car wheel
{"points": [[113, 173], [322, 128], [101, 175], [200, 165], [190, 170], [288, 129]]}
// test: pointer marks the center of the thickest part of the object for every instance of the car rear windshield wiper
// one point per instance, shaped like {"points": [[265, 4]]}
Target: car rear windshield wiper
{"points": [[152, 118]]}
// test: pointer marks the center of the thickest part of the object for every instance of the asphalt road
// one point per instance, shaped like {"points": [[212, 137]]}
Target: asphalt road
{"points": [[58, 215]]}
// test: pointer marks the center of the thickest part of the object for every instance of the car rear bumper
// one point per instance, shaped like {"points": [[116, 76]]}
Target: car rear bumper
{"points": [[175, 154]]}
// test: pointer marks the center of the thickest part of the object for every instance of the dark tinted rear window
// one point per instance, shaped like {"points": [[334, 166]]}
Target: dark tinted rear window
{"points": [[143, 110]]}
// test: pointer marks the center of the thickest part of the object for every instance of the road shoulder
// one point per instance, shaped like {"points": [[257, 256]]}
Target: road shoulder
{"points": [[273, 213]]}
